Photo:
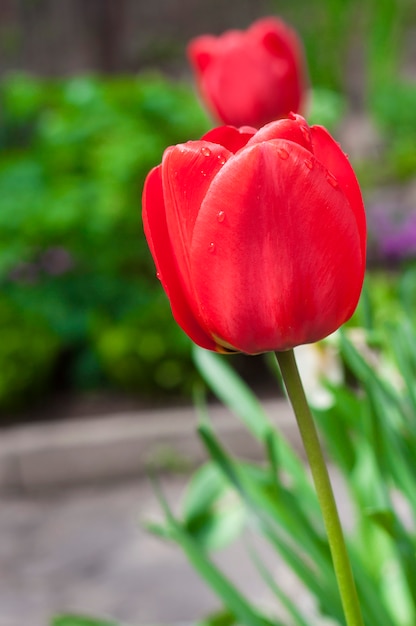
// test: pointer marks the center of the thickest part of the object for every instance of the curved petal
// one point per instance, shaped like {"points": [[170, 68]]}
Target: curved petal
{"points": [[259, 80], [201, 51], [332, 156], [276, 33], [187, 172], [157, 235], [284, 265], [230, 137], [282, 41], [295, 128]]}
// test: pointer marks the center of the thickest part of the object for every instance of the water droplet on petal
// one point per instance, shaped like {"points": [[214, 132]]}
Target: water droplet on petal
{"points": [[309, 163], [158, 275], [332, 180], [221, 159], [206, 151], [203, 173], [221, 216], [347, 156], [305, 132], [282, 153], [211, 247]]}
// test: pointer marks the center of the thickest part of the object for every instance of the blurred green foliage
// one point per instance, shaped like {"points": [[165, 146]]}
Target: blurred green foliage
{"points": [[339, 35], [77, 281], [80, 303], [361, 52]]}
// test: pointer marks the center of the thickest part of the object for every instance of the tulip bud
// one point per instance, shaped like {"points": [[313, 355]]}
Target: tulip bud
{"points": [[250, 77]]}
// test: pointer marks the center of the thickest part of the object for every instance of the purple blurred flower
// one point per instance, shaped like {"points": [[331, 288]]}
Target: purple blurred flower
{"points": [[393, 234], [56, 261], [24, 273]]}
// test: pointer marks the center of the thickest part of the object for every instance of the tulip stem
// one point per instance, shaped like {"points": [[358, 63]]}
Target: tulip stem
{"points": [[309, 435]]}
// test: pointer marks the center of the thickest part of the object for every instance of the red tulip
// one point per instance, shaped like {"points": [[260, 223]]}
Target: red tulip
{"points": [[250, 77], [258, 237]]}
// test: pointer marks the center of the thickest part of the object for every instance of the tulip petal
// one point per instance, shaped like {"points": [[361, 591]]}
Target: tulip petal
{"points": [[294, 129], [187, 172], [279, 39], [230, 137], [227, 76], [157, 235], [201, 51], [276, 275], [331, 155]]}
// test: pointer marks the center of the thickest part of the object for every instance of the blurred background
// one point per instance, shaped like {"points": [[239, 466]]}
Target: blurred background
{"points": [[91, 92]]}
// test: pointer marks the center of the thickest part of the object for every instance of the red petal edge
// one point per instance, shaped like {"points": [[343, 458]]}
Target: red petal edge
{"points": [[329, 153], [230, 137], [156, 232]]}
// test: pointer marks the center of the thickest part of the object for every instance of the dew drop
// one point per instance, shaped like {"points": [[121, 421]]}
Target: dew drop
{"points": [[332, 180], [206, 151], [203, 173], [211, 247], [221, 159], [306, 134], [221, 216], [158, 275], [282, 153], [309, 164], [347, 156]]}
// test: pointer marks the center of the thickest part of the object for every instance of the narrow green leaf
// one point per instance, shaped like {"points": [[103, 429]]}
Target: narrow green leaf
{"points": [[221, 585], [239, 398], [220, 618], [204, 489], [317, 575], [232, 391], [219, 526], [363, 371], [384, 518], [283, 598], [79, 620]]}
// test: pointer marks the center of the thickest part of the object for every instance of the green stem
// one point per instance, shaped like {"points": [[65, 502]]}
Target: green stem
{"points": [[323, 488]]}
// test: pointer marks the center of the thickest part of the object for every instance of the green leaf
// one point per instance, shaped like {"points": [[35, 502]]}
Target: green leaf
{"points": [[232, 391], [219, 526], [282, 525], [229, 594], [221, 618], [159, 530], [363, 371], [283, 598], [239, 398], [210, 512], [79, 620], [384, 518], [204, 489]]}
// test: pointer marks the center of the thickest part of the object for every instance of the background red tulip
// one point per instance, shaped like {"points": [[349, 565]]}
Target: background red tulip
{"points": [[253, 76], [258, 237]]}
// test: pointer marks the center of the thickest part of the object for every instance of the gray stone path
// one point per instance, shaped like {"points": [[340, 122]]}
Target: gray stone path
{"points": [[84, 551], [72, 497]]}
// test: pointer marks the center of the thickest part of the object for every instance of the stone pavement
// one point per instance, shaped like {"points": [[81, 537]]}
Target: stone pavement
{"points": [[84, 551], [72, 499]]}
